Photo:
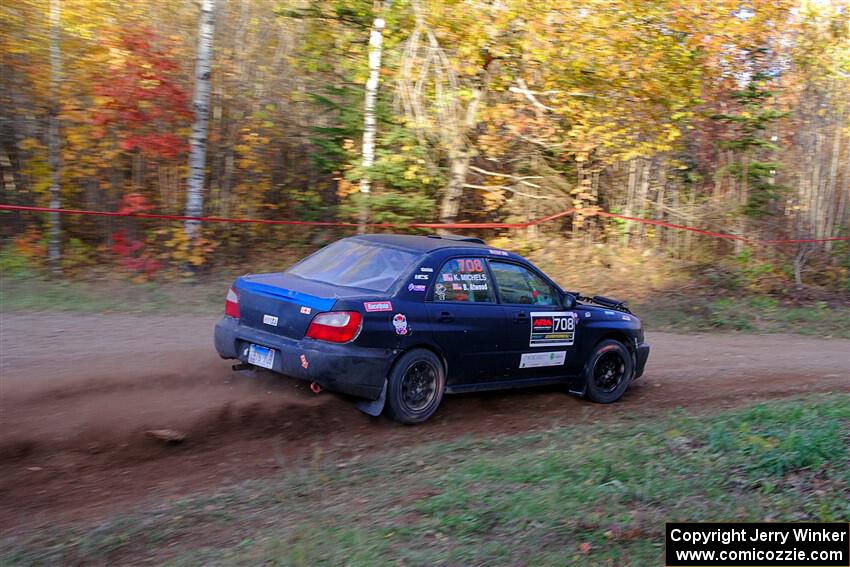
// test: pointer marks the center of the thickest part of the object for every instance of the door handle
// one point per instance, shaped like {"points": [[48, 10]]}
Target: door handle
{"points": [[445, 317], [520, 317]]}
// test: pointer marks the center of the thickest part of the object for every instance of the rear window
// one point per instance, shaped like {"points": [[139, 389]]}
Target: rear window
{"points": [[355, 264]]}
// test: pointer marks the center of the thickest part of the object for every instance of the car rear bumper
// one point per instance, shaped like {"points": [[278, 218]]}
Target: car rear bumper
{"points": [[641, 354], [341, 368]]}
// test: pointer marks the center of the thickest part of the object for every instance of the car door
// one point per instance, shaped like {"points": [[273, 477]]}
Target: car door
{"points": [[539, 341], [466, 321]]}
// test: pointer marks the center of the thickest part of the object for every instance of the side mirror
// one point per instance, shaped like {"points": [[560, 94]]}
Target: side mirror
{"points": [[569, 301]]}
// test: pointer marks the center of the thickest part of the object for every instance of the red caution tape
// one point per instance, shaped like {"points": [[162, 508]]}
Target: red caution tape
{"points": [[476, 225]]}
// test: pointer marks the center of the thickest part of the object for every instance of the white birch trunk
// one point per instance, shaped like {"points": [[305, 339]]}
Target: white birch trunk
{"points": [[53, 141], [201, 106], [376, 41]]}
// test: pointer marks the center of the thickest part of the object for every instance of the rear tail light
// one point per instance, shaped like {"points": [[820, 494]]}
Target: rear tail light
{"points": [[335, 326], [231, 304]]}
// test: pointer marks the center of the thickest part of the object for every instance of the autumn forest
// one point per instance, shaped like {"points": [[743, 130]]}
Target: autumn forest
{"points": [[727, 116]]}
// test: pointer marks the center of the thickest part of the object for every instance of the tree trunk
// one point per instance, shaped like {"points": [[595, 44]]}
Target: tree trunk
{"points": [[829, 210], [630, 196], [659, 202], [376, 39], [640, 201], [692, 199], [53, 142], [459, 164], [460, 155], [201, 105], [745, 199]]}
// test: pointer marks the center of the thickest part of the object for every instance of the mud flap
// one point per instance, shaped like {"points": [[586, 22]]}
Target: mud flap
{"points": [[578, 386], [374, 408]]}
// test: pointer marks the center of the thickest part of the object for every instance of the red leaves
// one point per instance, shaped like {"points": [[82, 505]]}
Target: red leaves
{"points": [[143, 98], [134, 203], [165, 145], [132, 255], [131, 252]]}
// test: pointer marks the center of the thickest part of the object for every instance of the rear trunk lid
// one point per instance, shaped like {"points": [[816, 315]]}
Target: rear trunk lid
{"points": [[284, 304], [281, 304]]}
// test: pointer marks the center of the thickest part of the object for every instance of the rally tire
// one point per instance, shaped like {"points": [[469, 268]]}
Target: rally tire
{"points": [[415, 386], [608, 372]]}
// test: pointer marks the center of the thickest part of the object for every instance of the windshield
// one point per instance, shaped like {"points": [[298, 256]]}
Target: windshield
{"points": [[355, 264]]}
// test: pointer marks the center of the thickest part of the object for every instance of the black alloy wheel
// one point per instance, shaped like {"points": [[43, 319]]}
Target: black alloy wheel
{"points": [[415, 386], [608, 372]]}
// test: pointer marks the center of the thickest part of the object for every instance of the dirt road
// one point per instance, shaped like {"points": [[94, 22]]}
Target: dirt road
{"points": [[78, 393]]}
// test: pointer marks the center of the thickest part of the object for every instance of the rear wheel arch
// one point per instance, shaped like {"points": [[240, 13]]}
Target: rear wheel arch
{"points": [[425, 346]]}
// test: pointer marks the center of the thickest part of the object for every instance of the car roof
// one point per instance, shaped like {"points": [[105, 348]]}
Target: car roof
{"points": [[422, 244]]}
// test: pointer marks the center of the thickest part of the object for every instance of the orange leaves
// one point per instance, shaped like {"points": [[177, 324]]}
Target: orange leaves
{"points": [[31, 245]]}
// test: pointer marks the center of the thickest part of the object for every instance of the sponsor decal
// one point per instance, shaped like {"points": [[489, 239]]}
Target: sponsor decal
{"points": [[587, 313], [429, 270], [304, 363], [378, 306], [498, 252], [440, 292], [270, 320], [609, 313], [538, 359], [306, 310], [447, 278], [457, 287], [552, 328], [400, 324], [626, 318], [421, 277], [415, 287]]}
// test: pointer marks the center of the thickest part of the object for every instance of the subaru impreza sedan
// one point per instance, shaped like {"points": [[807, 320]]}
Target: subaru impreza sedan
{"points": [[397, 321]]}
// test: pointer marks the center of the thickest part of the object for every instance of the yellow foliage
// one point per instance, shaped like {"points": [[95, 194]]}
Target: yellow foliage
{"points": [[344, 188], [493, 199]]}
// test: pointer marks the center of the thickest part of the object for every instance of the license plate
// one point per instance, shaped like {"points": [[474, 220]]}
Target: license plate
{"points": [[261, 356]]}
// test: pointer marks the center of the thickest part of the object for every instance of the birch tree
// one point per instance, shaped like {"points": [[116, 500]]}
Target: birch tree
{"points": [[376, 40], [201, 107], [53, 141]]}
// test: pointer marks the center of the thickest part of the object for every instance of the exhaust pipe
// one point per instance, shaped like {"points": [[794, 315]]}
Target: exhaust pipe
{"points": [[315, 388]]}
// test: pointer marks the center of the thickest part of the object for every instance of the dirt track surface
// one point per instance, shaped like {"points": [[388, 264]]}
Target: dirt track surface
{"points": [[79, 392]]}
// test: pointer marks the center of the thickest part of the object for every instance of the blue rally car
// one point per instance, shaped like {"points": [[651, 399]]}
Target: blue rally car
{"points": [[397, 321]]}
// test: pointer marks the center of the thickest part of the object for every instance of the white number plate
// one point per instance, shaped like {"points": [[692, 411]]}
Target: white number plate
{"points": [[552, 328], [261, 356]]}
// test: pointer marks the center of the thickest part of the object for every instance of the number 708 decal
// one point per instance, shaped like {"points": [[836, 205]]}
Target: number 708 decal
{"points": [[552, 328]]}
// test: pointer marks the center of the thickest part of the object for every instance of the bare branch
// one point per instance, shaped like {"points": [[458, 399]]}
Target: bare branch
{"points": [[492, 188], [523, 90]]}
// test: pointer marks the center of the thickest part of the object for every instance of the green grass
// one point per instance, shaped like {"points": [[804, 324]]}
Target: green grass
{"points": [[753, 314], [34, 294], [583, 495]]}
